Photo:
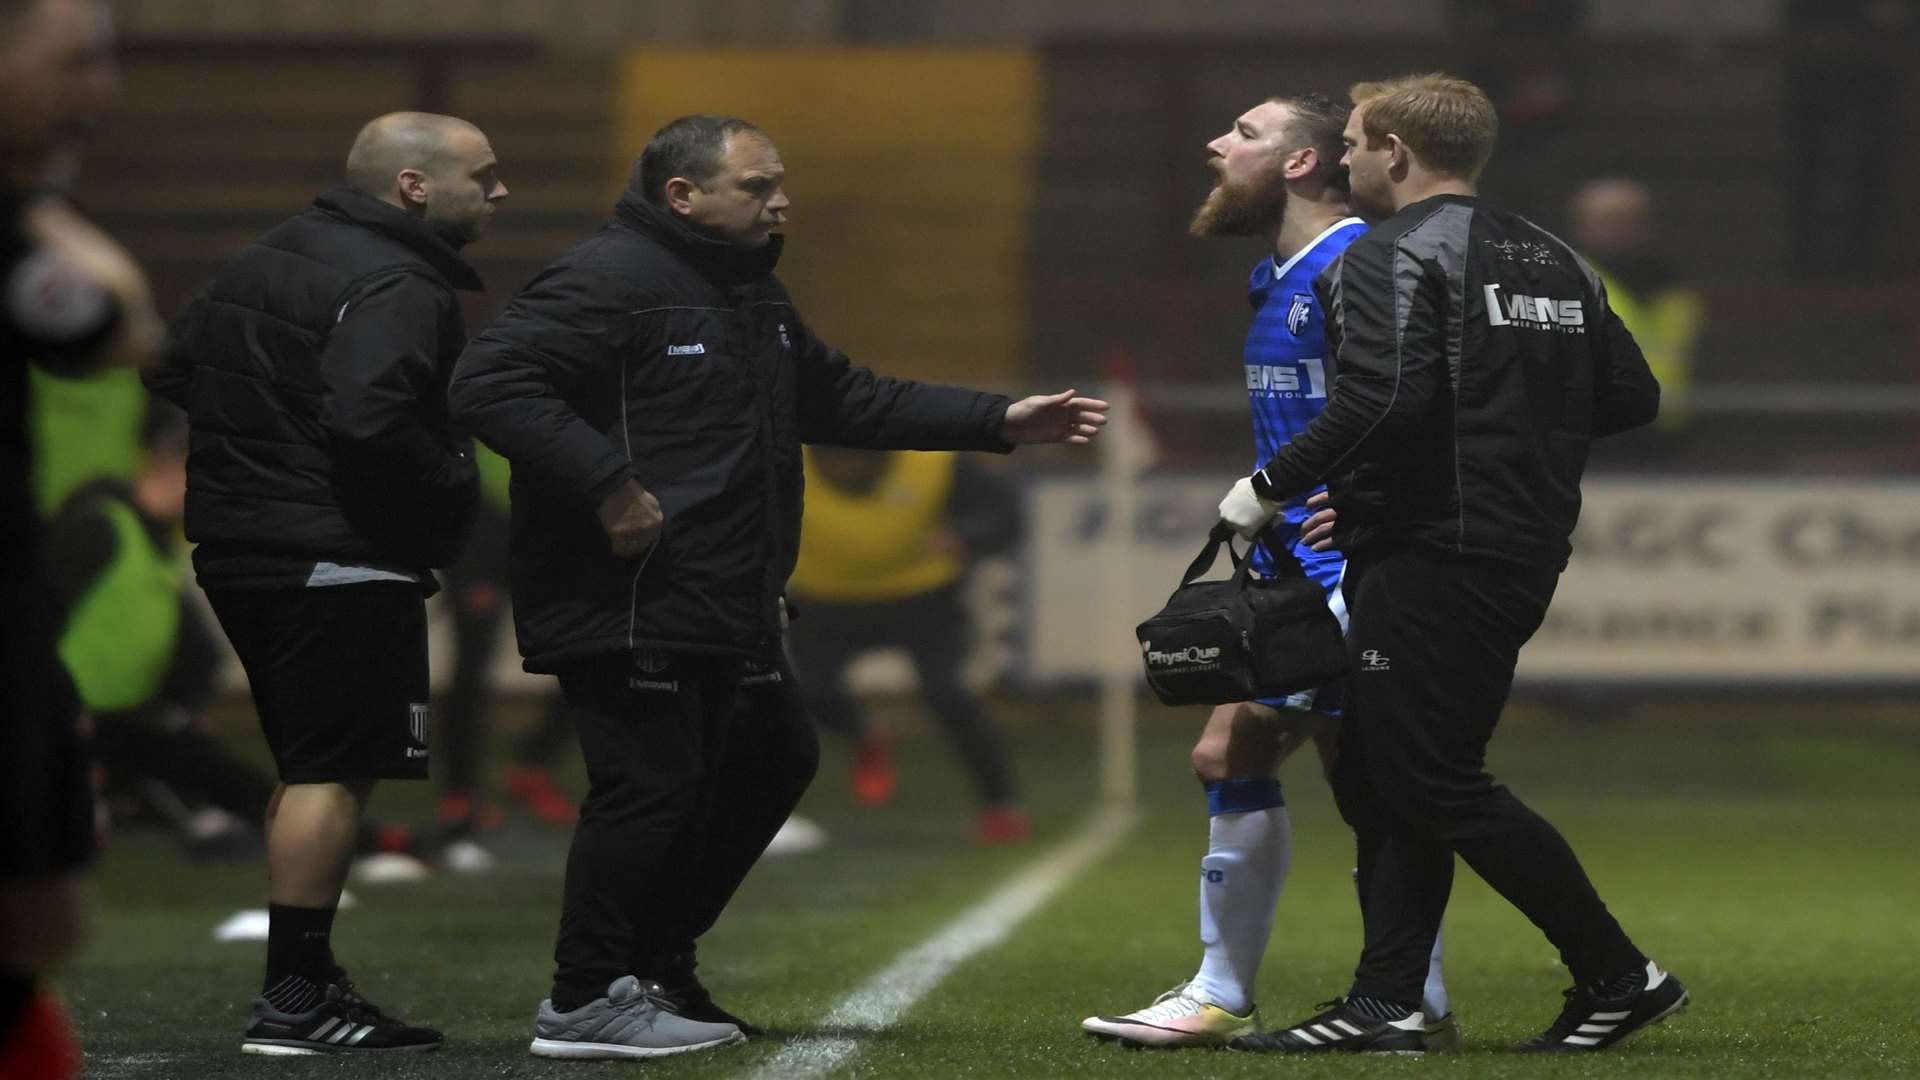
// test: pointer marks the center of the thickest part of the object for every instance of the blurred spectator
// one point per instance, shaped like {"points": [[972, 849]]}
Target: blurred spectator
{"points": [[1843, 128], [1613, 225], [74, 302], [477, 588], [884, 551]]}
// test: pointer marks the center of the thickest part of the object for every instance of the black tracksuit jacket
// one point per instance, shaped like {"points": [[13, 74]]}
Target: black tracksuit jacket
{"points": [[313, 371], [1475, 358], [655, 352]]}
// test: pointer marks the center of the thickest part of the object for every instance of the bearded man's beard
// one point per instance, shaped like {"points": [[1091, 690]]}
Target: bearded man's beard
{"points": [[1239, 210]]}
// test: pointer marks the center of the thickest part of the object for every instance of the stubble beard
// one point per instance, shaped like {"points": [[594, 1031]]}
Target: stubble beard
{"points": [[458, 232]]}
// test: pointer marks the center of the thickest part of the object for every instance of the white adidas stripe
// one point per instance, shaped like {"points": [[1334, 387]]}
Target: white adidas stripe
{"points": [[1583, 1040], [321, 1031], [1306, 1037], [1348, 1028], [1609, 1016], [1596, 1029]]}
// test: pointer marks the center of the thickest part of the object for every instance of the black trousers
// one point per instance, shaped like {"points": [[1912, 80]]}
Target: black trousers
{"points": [[694, 763], [933, 629], [1434, 641]]}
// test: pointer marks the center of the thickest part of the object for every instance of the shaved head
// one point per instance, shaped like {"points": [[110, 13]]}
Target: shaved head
{"points": [[402, 140], [440, 168]]}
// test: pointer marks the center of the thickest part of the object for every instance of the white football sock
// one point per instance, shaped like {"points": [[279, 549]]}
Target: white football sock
{"points": [[1248, 855], [1433, 1000]]}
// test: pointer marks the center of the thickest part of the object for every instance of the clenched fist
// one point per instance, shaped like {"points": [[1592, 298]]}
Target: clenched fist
{"points": [[632, 518]]}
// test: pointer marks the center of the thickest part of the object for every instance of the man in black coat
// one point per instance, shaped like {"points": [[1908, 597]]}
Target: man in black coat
{"points": [[1476, 360], [652, 389], [323, 485]]}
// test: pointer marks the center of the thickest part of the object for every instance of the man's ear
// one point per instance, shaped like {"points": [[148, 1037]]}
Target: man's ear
{"points": [[1301, 163], [679, 194], [412, 185], [1399, 156]]}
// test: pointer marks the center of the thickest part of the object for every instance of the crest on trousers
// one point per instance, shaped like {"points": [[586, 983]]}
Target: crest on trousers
{"points": [[418, 716], [650, 661], [1298, 313]]}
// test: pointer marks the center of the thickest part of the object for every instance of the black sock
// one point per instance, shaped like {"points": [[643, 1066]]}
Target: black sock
{"points": [[15, 992], [299, 956], [1374, 1008]]}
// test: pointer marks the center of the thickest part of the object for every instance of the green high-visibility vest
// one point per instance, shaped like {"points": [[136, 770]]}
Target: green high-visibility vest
{"points": [[83, 430], [119, 640], [495, 475]]}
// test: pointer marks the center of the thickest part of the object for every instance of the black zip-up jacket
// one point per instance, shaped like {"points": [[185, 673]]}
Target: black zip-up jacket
{"points": [[1475, 358], [314, 371], [653, 351]]}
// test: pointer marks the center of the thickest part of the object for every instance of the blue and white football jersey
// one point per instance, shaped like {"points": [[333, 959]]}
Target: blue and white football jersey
{"points": [[1287, 378]]}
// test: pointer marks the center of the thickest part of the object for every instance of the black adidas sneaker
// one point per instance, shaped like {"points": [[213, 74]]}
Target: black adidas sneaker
{"points": [[1340, 1028], [343, 1023], [1592, 1022]]}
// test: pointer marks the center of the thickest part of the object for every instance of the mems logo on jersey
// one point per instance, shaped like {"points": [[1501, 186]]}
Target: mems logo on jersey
{"points": [[1307, 378]]}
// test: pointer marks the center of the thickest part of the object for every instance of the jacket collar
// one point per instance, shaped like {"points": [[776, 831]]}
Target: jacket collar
{"points": [[364, 210], [728, 264]]}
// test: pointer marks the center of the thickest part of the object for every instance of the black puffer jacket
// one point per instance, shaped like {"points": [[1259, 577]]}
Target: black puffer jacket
{"points": [[314, 371], [655, 352]]}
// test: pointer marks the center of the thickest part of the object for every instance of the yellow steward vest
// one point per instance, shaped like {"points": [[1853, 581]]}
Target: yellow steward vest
{"points": [[1667, 326], [859, 548]]}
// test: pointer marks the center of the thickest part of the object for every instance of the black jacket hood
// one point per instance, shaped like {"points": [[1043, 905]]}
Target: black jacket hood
{"points": [[728, 265]]}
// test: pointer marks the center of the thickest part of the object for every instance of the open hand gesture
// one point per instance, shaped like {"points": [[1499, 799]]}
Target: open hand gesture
{"points": [[1051, 418]]}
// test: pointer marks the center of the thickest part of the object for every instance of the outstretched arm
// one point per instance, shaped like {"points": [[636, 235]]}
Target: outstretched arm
{"points": [[844, 404]]}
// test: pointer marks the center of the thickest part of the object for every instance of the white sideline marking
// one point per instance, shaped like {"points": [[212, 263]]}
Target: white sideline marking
{"points": [[878, 1003]]}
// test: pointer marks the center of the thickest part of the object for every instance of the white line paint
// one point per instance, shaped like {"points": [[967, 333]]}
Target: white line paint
{"points": [[882, 1000]]}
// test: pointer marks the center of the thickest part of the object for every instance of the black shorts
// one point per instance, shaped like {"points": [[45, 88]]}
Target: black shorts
{"points": [[339, 677]]}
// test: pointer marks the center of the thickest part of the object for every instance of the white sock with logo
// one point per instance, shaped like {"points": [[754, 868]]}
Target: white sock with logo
{"points": [[1248, 855], [1433, 1000]]}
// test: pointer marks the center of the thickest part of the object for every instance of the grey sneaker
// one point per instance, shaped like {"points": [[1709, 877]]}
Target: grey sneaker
{"points": [[635, 1020]]}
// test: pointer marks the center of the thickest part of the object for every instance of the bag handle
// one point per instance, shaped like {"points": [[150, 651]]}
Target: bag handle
{"points": [[1222, 533], [1285, 562]]}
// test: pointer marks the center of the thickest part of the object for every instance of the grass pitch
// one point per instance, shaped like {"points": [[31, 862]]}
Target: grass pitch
{"points": [[1758, 851]]}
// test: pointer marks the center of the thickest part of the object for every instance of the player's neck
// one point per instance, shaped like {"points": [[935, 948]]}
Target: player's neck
{"points": [[1302, 222]]}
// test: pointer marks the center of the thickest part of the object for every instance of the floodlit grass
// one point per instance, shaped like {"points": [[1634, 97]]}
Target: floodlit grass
{"points": [[1761, 854]]}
